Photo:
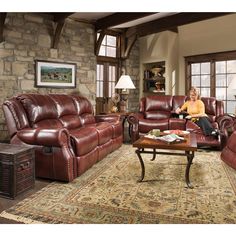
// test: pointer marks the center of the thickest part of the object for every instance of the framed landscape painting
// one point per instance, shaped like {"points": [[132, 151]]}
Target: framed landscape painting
{"points": [[55, 74]]}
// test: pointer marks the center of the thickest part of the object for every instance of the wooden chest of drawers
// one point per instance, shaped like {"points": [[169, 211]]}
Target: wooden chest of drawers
{"points": [[17, 169]]}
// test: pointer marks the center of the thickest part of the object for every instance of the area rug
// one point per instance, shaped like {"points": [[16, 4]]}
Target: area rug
{"points": [[109, 193]]}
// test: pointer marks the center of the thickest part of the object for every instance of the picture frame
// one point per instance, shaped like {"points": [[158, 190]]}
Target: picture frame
{"points": [[52, 74]]}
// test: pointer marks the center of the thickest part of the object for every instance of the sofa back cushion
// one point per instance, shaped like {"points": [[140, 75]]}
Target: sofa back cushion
{"points": [[142, 103], [67, 112], [219, 108], [15, 107], [84, 109], [158, 107], [178, 101], [210, 107], [12, 108], [39, 108]]}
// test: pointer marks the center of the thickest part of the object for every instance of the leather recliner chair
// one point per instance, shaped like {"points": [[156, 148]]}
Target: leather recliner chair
{"points": [[228, 154], [157, 112], [67, 137]]}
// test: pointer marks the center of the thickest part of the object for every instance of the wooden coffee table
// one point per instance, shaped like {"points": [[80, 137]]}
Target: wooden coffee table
{"points": [[188, 147]]}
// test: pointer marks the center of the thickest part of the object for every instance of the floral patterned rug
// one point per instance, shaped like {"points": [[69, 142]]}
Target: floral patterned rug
{"points": [[109, 193]]}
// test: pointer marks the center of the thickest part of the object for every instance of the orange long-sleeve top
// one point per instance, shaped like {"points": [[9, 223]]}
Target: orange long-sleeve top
{"points": [[198, 108]]}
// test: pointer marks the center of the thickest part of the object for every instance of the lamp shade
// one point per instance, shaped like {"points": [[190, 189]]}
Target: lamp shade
{"points": [[125, 82]]}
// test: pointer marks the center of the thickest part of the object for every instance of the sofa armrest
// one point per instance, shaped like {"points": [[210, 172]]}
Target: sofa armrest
{"points": [[224, 118], [226, 126], [62, 152], [108, 118], [44, 137], [133, 120], [226, 122]]}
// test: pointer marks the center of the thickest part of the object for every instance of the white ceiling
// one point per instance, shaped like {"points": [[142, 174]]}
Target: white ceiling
{"points": [[145, 19], [91, 17]]}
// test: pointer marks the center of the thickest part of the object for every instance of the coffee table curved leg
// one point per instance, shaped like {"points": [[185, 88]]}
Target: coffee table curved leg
{"points": [[142, 165], [154, 155], [190, 159]]}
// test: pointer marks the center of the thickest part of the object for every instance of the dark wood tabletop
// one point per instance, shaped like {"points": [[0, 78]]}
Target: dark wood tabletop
{"points": [[190, 143]]}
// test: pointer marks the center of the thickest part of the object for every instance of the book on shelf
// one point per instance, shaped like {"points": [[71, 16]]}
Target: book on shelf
{"points": [[169, 138]]}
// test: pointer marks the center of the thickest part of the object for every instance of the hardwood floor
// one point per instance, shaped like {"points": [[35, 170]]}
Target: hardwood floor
{"points": [[7, 203]]}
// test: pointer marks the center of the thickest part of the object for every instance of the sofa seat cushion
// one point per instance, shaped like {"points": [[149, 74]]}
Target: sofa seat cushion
{"points": [[191, 126], [175, 123], [104, 131], [203, 140], [196, 129], [117, 129], [146, 125], [84, 140]]}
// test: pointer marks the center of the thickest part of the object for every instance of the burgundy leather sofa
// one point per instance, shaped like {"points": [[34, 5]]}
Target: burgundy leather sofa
{"points": [[158, 112], [228, 154], [67, 137]]}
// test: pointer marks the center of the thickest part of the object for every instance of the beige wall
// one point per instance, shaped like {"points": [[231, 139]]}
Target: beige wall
{"points": [[156, 48], [215, 35]]}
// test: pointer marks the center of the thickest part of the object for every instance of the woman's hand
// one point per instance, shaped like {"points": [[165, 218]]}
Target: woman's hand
{"points": [[178, 110]]}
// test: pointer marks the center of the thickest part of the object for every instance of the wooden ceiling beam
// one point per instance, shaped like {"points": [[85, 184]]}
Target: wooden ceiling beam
{"points": [[98, 42], [61, 16], [171, 22], [57, 33], [130, 43], [2, 21], [59, 19], [119, 18]]}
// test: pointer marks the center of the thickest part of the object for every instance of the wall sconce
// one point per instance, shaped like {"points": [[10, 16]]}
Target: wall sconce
{"points": [[124, 83]]}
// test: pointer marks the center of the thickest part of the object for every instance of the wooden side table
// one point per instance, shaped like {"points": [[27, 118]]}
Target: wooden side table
{"points": [[17, 169], [124, 116]]}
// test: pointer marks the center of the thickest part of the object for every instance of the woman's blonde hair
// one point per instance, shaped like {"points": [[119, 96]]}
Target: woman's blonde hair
{"points": [[195, 91]]}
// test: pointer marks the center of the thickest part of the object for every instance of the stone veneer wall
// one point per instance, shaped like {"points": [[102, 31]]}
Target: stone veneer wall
{"points": [[28, 37], [132, 69]]}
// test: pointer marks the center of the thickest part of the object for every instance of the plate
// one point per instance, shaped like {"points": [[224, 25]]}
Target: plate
{"points": [[176, 132]]}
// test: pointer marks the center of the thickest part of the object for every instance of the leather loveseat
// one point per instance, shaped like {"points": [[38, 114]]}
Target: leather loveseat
{"points": [[228, 154], [67, 137], [158, 112]]}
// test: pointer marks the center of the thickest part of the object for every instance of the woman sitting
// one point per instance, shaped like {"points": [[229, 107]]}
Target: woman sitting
{"points": [[196, 113]]}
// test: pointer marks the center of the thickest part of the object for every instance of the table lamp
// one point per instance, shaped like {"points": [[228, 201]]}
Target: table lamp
{"points": [[124, 83]]}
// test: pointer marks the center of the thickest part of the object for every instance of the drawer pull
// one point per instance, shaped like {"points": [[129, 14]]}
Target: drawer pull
{"points": [[25, 166]]}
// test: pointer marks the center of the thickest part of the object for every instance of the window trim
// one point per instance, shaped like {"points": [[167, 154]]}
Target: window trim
{"points": [[98, 43], [209, 57]]}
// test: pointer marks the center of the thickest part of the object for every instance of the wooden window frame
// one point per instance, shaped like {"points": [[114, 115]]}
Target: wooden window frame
{"points": [[106, 61], [212, 58], [106, 65]]}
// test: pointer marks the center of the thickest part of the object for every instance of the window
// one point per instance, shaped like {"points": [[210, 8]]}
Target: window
{"points": [[107, 66], [214, 76], [107, 72], [108, 46], [106, 79], [225, 74], [100, 80], [201, 78]]}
